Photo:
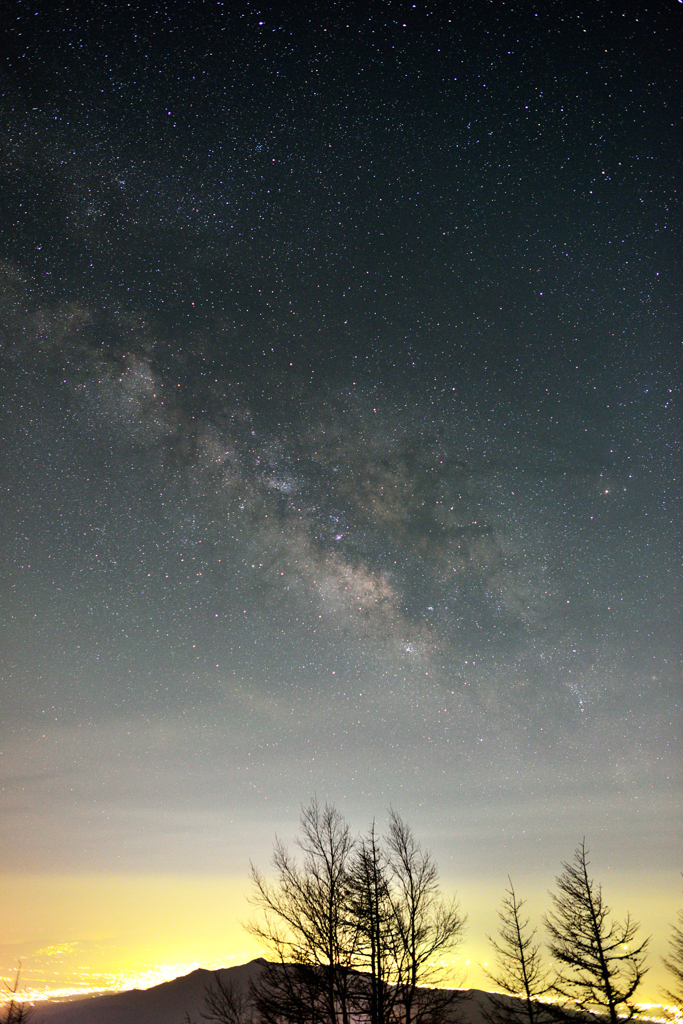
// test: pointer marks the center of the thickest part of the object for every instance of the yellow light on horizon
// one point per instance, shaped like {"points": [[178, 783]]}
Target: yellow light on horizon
{"points": [[80, 934]]}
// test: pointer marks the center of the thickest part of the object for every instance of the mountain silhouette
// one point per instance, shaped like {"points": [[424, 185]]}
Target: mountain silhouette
{"points": [[168, 1003]]}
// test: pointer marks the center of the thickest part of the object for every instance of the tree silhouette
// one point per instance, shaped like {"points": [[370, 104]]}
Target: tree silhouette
{"points": [[377, 941], [356, 929], [305, 922], [428, 925], [519, 968], [674, 962], [600, 965], [15, 1011]]}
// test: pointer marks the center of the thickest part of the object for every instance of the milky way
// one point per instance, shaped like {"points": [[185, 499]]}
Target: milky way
{"points": [[426, 528]]}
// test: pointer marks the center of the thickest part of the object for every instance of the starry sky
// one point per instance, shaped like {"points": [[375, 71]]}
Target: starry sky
{"points": [[340, 396]]}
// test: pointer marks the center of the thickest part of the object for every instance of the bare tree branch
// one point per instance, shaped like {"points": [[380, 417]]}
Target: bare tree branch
{"points": [[600, 963], [674, 962], [304, 920], [15, 1011], [428, 924], [519, 968]]}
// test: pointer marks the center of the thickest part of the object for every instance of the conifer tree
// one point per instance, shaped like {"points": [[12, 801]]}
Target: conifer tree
{"points": [[674, 962], [600, 963], [519, 968]]}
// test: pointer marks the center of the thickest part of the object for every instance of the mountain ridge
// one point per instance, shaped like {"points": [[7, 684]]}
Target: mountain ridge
{"points": [[168, 1002]]}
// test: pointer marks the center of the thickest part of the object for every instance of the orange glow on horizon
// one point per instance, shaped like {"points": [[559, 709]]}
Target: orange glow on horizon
{"points": [[82, 934]]}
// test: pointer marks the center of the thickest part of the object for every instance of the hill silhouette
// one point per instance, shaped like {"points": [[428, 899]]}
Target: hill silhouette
{"points": [[168, 1003], [164, 1004]]}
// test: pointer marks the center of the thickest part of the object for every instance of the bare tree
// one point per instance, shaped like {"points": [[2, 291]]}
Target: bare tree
{"points": [[600, 963], [428, 925], [519, 968], [305, 922], [225, 1003], [357, 929], [674, 962]]}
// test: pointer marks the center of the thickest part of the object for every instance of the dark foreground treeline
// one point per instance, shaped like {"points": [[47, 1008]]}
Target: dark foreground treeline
{"points": [[357, 928], [362, 926]]}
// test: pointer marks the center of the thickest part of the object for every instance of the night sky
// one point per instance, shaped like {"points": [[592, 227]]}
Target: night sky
{"points": [[340, 398]]}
